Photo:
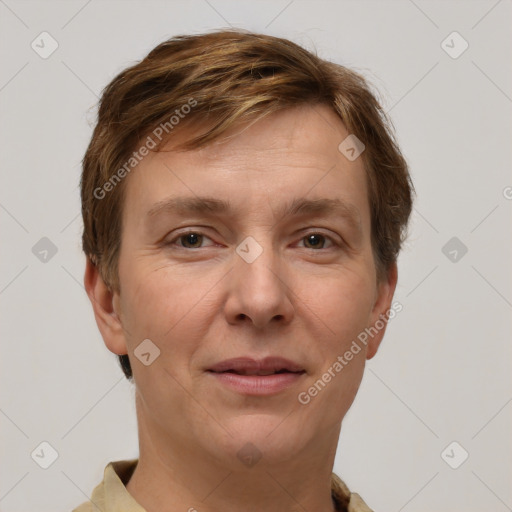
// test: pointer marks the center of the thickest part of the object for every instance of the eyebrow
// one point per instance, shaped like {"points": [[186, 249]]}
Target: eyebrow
{"points": [[297, 207]]}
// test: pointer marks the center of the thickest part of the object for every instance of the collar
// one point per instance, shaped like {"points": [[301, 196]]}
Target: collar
{"points": [[111, 494]]}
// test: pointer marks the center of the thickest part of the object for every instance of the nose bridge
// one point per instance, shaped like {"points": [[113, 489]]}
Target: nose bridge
{"points": [[257, 263], [258, 289]]}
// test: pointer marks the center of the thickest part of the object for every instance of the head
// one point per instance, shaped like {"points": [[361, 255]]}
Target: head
{"points": [[253, 123]]}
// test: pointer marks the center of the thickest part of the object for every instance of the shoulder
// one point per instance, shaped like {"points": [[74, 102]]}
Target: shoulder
{"points": [[356, 504], [347, 501], [111, 491], [85, 507]]}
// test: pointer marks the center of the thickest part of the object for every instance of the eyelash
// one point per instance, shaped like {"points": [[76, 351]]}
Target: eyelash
{"points": [[179, 236]]}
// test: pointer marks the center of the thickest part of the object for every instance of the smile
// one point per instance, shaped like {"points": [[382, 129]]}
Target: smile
{"points": [[257, 377], [257, 384]]}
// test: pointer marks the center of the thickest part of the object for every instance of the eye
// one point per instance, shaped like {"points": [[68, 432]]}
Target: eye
{"points": [[316, 241], [195, 239], [190, 240]]}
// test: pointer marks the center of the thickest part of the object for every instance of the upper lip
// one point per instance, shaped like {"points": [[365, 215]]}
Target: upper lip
{"points": [[250, 366]]}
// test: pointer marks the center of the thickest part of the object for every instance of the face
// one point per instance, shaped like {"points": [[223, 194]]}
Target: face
{"points": [[252, 248]]}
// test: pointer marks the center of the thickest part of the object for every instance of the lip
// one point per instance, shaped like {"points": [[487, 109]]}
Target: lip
{"points": [[250, 365], [253, 384]]}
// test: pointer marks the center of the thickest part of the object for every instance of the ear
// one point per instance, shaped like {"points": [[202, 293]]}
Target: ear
{"points": [[380, 312], [105, 304]]}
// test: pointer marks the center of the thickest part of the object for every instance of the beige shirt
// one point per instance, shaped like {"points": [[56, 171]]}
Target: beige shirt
{"points": [[111, 494]]}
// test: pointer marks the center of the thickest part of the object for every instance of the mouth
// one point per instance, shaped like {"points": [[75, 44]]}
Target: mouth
{"points": [[257, 377], [250, 366], [249, 372]]}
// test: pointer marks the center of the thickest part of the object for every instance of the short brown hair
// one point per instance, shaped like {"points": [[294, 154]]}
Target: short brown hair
{"points": [[227, 77]]}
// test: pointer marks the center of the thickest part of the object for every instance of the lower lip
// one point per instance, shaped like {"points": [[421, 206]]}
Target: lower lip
{"points": [[259, 385]]}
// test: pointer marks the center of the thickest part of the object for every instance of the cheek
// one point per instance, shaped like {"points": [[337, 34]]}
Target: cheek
{"points": [[340, 311], [338, 308], [163, 304], [340, 303]]}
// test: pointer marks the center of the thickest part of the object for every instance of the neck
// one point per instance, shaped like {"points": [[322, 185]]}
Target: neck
{"points": [[175, 475]]}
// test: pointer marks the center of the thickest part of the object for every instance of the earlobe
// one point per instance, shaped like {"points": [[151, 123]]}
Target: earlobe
{"points": [[381, 308], [105, 306]]}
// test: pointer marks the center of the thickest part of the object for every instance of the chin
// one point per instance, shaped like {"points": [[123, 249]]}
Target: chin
{"points": [[273, 434]]}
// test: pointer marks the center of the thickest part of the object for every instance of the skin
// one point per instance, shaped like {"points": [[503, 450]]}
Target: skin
{"points": [[201, 303]]}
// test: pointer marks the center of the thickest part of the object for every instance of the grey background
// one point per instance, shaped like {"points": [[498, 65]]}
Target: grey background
{"points": [[443, 372]]}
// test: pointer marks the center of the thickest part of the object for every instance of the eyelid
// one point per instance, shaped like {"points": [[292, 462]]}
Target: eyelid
{"points": [[177, 236], [334, 242], [307, 232]]}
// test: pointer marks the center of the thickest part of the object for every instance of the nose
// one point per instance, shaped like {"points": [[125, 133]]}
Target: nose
{"points": [[260, 291]]}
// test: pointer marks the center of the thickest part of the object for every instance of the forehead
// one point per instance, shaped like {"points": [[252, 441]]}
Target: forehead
{"points": [[310, 132], [288, 154]]}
